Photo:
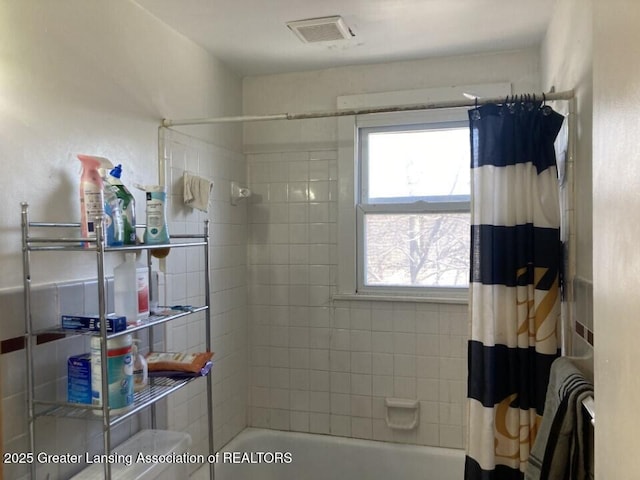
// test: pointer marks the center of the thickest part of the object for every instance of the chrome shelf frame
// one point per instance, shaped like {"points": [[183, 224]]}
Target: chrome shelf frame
{"points": [[150, 322], [159, 387]]}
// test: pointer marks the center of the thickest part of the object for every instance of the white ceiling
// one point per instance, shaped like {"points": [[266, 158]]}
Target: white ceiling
{"points": [[250, 36]]}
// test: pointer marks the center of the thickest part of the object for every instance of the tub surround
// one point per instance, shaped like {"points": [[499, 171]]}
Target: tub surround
{"points": [[322, 365]]}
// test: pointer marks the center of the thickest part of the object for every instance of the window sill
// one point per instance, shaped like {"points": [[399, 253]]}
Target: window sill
{"points": [[462, 300]]}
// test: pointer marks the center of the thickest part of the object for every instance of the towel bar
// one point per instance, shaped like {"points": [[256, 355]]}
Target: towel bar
{"points": [[590, 406]]}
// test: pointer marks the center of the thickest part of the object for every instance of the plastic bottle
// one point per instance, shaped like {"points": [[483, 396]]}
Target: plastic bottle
{"points": [[91, 195], [127, 205], [131, 290], [140, 368], [114, 223], [125, 288], [114, 227], [156, 231], [142, 290], [119, 373]]}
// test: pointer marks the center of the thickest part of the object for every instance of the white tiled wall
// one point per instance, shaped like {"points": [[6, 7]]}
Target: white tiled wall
{"points": [[54, 435], [182, 284], [185, 285], [324, 366]]}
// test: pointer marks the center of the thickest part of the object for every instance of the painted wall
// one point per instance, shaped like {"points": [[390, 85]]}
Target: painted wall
{"points": [[91, 77], [616, 262], [567, 63], [326, 366], [97, 77], [309, 91]]}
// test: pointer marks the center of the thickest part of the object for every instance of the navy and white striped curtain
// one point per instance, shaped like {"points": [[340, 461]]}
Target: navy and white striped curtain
{"points": [[515, 291]]}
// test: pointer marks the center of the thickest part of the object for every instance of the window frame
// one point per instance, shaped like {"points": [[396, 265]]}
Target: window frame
{"points": [[346, 264], [364, 206]]}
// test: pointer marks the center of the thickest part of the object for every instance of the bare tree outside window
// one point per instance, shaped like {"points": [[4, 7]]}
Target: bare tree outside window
{"points": [[418, 250]]}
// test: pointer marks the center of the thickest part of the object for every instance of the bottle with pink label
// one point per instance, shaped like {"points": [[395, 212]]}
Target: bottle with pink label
{"points": [[131, 290], [91, 195]]}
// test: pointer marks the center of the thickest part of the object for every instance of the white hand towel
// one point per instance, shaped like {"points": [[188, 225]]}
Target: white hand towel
{"points": [[197, 191]]}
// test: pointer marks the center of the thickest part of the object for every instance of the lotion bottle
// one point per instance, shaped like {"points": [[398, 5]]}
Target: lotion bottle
{"points": [[156, 232]]}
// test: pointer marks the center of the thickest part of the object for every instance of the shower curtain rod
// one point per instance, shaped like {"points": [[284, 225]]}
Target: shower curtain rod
{"points": [[566, 95]]}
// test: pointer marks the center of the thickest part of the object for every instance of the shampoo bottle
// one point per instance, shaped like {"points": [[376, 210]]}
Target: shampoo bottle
{"points": [[91, 196], [127, 204]]}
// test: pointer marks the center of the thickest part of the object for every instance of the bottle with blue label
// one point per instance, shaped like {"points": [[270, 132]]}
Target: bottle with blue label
{"points": [[127, 204], [114, 225], [119, 373], [113, 215]]}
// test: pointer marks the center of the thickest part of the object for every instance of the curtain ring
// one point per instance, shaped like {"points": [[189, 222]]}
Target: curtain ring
{"points": [[475, 113]]}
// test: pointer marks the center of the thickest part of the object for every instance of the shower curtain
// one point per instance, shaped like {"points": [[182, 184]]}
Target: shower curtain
{"points": [[515, 283]]}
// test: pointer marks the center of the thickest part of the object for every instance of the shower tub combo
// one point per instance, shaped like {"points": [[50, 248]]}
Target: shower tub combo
{"points": [[319, 457]]}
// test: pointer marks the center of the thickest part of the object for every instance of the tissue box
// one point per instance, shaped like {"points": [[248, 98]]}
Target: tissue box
{"points": [[79, 378], [115, 323]]}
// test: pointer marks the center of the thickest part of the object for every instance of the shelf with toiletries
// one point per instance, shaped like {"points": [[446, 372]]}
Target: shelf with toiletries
{"points": [[157, 389], [89, 244], [152, 321], [69, 237]]}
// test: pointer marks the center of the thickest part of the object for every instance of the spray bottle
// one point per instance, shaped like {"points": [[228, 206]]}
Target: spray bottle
{"points": [[91, 195], [127, 205], [114, 223]]}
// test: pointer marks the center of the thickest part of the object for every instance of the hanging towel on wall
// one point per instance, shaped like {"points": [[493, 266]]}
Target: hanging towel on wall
{"points": [[196, 191], [559, 449]]}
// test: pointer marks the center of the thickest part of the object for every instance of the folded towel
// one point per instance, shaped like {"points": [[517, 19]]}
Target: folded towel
{"points": [[559, 449], [196, 191]]}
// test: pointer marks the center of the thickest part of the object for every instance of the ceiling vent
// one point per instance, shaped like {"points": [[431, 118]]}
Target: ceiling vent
{"points": [[324, 29]]}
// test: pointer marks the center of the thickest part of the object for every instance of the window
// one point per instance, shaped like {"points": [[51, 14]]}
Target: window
{"points": [[404, 197], [412, 208]]}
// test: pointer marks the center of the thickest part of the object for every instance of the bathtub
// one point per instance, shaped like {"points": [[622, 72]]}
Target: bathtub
{"points": [[322, 457]]}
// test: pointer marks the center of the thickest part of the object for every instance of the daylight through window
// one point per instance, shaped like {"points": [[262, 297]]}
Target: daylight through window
{"points": [[413, 207]]}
